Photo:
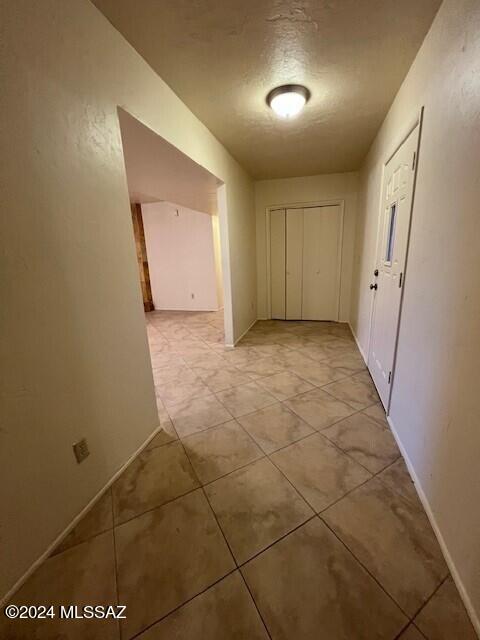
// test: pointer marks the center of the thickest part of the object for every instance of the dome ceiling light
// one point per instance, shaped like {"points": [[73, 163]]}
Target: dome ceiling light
{"points": [[288, 100]]}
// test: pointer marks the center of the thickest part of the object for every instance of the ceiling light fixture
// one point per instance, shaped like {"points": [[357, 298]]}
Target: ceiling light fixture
{"points": [[288, 100]]}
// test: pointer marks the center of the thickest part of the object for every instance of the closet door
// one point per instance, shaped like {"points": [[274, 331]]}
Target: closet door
{"points": [[277, 263], [294, 264], [322, 236]]}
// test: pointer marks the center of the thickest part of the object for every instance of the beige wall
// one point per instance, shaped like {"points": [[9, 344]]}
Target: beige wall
{"points": [[74, 352], [217, 251], [181, 257], [303, 190], [435, 409]]}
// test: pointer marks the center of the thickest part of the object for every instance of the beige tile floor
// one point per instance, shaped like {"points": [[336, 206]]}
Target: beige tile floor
{"points": [[273, 503]]}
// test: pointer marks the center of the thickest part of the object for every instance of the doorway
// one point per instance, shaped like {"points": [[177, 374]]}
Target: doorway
{"points": [[179, 215], [305, 248], [391, 259], [160, 176]]}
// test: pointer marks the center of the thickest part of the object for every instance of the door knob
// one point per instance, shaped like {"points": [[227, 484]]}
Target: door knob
{"points": [[375, 273], [374, 286]]}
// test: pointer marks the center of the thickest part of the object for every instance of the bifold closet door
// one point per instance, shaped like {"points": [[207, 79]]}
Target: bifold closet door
{"points": [[277, 263], [294, 264], [322, 234]]}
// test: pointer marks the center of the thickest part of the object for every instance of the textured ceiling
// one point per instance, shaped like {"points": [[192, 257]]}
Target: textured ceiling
{"points": [[222, 57]]}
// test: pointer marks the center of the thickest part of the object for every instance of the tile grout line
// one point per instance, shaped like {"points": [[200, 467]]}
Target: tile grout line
{"points": [[317, 514], [272, 544], [372, 477], [409, 624], [179, 439], [288, 480], [364, 568], [169, 613], [229, 548], [339, 449], [225, 475], [158, 506], [247, 586], [283, 402], [279, 402], [229, 473], [424, 604], [410, 618], [419, 630], [260, 377], [237, 566], [235, 418], [315, 431], [394, 489], [115, 560], [224, 538], [402, 631], [211, 508]]}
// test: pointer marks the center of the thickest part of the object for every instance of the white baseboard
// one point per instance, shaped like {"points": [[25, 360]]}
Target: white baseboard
{"points": [[428, 510], [189, 310], [46, 554], [244, 333], [358, 343], [443, 546]]}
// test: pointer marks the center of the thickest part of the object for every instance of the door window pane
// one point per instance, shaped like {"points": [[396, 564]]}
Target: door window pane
{"points": [[391, 233]]}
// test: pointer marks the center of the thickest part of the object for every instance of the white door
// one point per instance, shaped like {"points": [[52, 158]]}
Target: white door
{"points": [[388, 278], [277, 263], [294, 264], [322, 238]]}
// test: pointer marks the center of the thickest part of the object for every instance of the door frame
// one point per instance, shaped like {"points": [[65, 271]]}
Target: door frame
{"points": [[305, 205], [406, 131]]}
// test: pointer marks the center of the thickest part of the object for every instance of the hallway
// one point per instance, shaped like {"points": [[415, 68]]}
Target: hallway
{"points": [[273, 503]]}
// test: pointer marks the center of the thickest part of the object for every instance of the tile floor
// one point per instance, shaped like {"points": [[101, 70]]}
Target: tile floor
{"points": [[273, 504]]}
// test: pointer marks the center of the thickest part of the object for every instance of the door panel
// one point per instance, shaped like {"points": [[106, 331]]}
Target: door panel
{"points": [[397, 194], [294, 264], [277, 263], [322, 232]]}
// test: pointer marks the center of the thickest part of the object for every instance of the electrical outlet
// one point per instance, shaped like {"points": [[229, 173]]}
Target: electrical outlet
{"points": [[80, 450]]}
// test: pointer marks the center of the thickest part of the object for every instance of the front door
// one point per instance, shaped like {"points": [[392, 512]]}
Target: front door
{"points": [[389, 275]]}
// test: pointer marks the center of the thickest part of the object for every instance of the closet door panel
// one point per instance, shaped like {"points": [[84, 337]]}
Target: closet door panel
{"points": [[294, 266], [277, 263], [322, 232]]}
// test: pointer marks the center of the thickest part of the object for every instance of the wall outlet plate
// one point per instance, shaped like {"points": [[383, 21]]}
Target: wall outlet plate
{"points": [[80, 450]]}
